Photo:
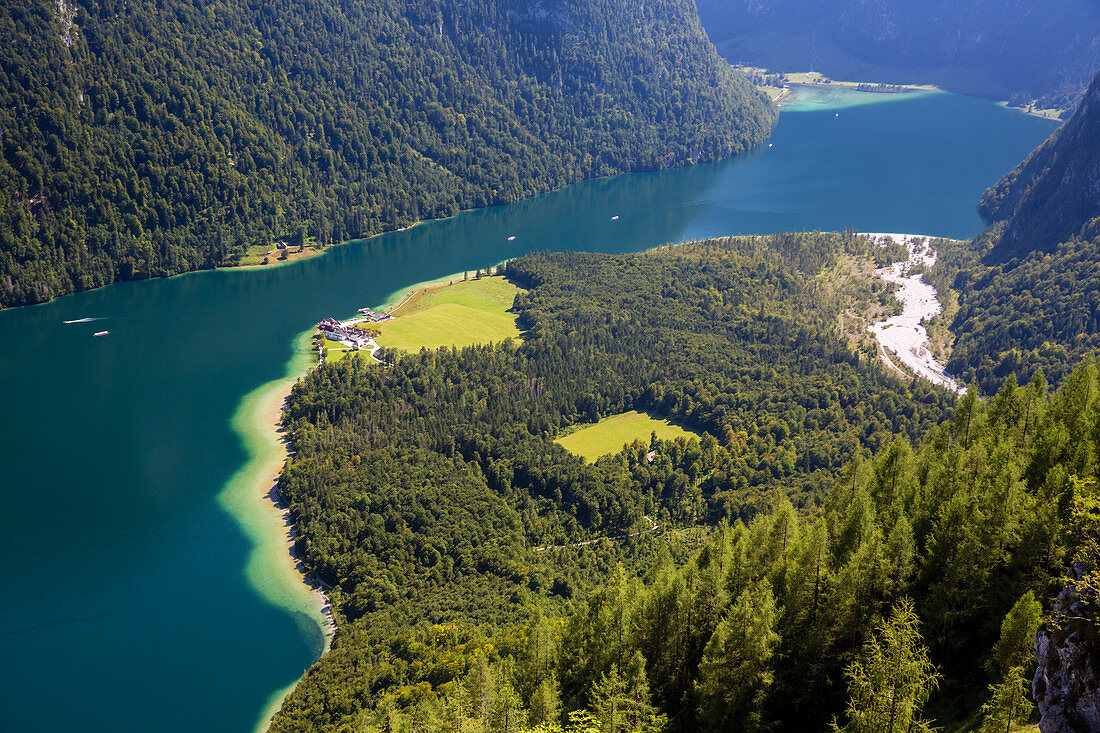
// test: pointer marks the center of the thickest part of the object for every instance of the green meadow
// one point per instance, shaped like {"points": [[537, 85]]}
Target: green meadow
{"points": [[612, 433], [335, 351], [464, 313]]}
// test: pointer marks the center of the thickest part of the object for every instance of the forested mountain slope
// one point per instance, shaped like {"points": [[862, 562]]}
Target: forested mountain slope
{"points": [[145, 139], [995, 47], [422, 488], [1054, 194], [912, 597], [1033, 299]]}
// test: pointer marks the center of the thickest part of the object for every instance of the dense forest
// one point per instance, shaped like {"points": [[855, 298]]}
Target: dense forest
{"points": [[1026, 49], [912, 599], [1029, 288], [424, 490], [141, 139]]}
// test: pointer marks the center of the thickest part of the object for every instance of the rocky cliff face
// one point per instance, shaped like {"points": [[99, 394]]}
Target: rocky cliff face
{"points": [[1054, 195], [1066, 686]]}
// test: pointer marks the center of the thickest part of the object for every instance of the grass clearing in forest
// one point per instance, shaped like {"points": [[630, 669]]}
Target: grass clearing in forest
{"points": [[612, 433], [463, 313]]}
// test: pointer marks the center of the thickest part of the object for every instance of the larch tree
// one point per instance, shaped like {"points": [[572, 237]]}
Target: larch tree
{"points": [[891, 681], [1008, 703], [736, 670]]}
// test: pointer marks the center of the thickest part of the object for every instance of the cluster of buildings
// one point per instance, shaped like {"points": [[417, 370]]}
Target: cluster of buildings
{"points": [[374, 317], [334, 330]]}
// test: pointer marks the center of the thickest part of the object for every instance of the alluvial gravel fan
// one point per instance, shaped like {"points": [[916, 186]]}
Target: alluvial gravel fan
{"points": [[141, 140]]}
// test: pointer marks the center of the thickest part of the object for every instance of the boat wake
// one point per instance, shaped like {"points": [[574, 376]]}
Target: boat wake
{"points": [[84, 320]]}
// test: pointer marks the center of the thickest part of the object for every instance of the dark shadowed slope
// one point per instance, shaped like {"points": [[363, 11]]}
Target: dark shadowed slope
{"points": [[1035, 301], [1055, 193], [995, 47]]}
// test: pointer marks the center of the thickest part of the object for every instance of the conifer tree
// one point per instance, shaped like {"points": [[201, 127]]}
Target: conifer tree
{"points": [[1008, 704], [891, 681], [736, 672], [621, 698], [545, 705], [1018, 629]]}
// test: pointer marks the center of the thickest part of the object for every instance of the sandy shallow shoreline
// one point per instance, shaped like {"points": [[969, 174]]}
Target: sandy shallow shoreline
{"points": [[250, 497]]}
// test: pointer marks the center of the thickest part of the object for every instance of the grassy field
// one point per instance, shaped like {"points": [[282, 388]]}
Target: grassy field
{"points": [[612, 433], [462, 314], [335, 351], [256, 254]]}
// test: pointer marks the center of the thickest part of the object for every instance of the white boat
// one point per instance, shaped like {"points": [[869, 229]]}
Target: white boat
{"points": [[101, 333], [614, 218], [511, 237]]}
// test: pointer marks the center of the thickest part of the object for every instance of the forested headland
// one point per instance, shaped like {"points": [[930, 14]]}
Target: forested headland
{"points": [[832, 527], [1029, 287], [141, 140]]}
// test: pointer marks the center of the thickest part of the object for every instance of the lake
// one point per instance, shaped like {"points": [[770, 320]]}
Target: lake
{"points": [[126, 605]]}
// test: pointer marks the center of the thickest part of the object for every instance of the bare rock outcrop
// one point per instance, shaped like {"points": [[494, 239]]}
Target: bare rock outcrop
{"points": [[1066, 685]]}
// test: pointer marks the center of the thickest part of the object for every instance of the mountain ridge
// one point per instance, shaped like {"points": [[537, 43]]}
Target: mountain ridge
{"points": [[973, 48], [1054, 194]]}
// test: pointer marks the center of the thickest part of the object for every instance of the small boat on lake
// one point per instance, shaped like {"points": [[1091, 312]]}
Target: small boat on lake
{"points": [[101, 333]]}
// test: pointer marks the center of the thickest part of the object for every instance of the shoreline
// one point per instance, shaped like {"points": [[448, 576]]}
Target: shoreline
{"points": [[815, 80], [793, 80], [309, 254], [1054, 115], [312, 254], [400, 297], [791, 96], [250, 498]]}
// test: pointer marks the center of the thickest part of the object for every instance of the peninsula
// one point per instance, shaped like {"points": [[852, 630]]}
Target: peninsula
{"points": [[778, 86]]}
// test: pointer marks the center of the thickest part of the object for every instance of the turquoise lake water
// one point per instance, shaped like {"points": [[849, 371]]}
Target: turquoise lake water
{"points": [[125, 606]]}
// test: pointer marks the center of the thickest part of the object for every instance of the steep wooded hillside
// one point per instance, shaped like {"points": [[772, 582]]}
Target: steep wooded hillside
{"points": [[996, 47], [141, 139], [1030, 296], [1054, 194]]}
